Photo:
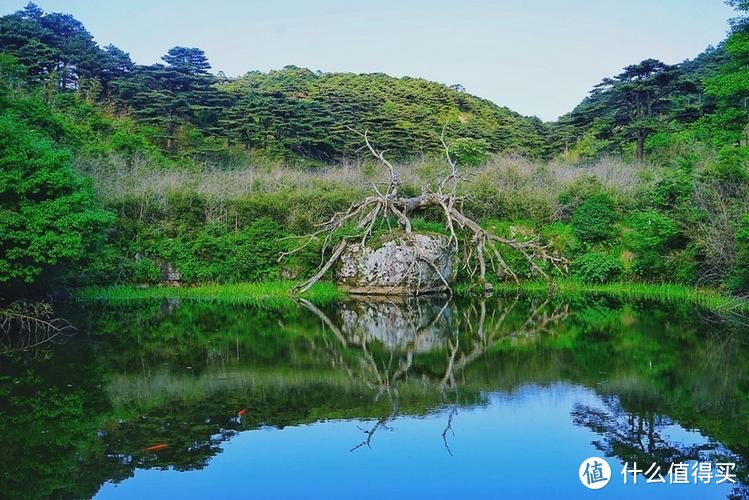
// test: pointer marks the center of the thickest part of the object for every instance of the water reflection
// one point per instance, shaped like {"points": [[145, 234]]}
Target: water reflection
{"points": [[26, 327], [451, 335], [641, 437], [668, 386]]}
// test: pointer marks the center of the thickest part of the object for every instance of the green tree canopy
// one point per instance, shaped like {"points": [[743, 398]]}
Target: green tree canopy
{"points": [[191, 60], [637, 96], [48, 214]]}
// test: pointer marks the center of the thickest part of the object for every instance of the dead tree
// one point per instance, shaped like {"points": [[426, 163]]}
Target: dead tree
{"points": [[481, 249], [24, 327]]}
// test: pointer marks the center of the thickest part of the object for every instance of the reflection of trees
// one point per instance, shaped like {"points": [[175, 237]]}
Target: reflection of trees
{"points": [[380, 424], [50, 407], [449, 428], [483, 333], [131, 387], [388, 335], [635, 436], [635, 432]]}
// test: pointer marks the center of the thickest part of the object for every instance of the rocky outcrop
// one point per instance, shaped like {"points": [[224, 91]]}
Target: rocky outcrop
{"points": [[399, 264]]}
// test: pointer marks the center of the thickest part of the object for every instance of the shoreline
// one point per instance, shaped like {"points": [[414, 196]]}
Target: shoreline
{"points": [[278, 292]]}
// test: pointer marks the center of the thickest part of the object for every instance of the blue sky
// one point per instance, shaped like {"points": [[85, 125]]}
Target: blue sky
{"points": [[537, 57]]}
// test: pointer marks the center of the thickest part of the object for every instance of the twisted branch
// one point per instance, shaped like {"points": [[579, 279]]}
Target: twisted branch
{"points": [[480, 247]]}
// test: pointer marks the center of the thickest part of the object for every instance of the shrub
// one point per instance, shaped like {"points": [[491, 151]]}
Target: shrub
{"points": [[145, 271], [469, 152], [597, 267], [579, 190], [593, 221], [561, 237], [674, 189], [653, 234], [186, 210], [206, 257], [681, 265], [732, 164], [740, 276], [48, 213], [256, 250]]}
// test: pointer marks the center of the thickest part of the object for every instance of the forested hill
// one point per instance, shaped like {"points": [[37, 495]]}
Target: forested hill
{"points": [[110, 169], [309, 113], [652, 106], [97, 99], [293, 113]]}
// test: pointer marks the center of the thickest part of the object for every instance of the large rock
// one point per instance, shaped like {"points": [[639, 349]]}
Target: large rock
{"points": [[397, 264]]}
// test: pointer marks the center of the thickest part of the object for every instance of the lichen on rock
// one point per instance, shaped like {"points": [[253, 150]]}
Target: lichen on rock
{"points": [[401, 264]]}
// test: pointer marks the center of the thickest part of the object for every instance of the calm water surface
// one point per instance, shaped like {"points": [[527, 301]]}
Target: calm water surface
{"points": [[388, 399]]}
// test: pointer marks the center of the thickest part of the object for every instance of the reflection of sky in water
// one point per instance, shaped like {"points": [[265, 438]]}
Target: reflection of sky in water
{"points": [[519, 445]]}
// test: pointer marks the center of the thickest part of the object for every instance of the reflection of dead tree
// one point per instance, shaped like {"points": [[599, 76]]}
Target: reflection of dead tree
{"points": [[338, 360], [380, 424], [480, 331], [538, 322], [379, 376], [449, 428], [26, 326], [481, 249]]}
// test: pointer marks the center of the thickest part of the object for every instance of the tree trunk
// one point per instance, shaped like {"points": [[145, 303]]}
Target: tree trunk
{"points": [[640, 146]]}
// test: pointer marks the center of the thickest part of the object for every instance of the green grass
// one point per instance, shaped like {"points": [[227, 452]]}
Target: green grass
{"points": [[269, 293], [278, 293], [667, 293]]}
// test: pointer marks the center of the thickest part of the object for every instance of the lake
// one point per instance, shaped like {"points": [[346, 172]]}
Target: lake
{"points": [[430, 398]]}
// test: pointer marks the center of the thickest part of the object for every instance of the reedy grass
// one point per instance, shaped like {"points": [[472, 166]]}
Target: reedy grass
{"points": [[709, 299], [278, 293], [268, 293], [118, 178]]}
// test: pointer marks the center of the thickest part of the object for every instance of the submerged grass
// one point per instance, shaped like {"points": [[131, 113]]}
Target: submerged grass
{"points": [[709, 299], [269, 293]]}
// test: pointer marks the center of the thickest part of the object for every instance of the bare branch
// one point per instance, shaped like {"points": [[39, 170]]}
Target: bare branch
{"points": [[479, 245]]}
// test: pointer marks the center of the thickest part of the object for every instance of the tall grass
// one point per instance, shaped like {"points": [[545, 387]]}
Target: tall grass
{"points": [[116, 178], [657, 292], [270, 293]]}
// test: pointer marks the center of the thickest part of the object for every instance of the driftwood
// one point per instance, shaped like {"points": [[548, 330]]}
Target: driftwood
{"points": [[480, 247]]}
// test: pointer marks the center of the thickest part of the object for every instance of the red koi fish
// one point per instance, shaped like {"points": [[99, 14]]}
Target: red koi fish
{"points": [[241, 412], [156, 447]]}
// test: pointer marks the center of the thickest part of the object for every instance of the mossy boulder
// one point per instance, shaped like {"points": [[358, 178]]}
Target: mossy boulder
{"points": [[397, 264]]}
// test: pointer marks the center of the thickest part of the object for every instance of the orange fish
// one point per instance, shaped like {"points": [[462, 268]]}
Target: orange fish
{"points": [[156, 447], [241, 412]]}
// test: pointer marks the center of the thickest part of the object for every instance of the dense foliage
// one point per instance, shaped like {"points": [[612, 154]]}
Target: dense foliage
{"points": [[308, 114], [206, 174], [47, 211]]}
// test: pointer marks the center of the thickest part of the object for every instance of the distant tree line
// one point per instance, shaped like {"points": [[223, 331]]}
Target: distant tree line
{"points": [[291, 113]]}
